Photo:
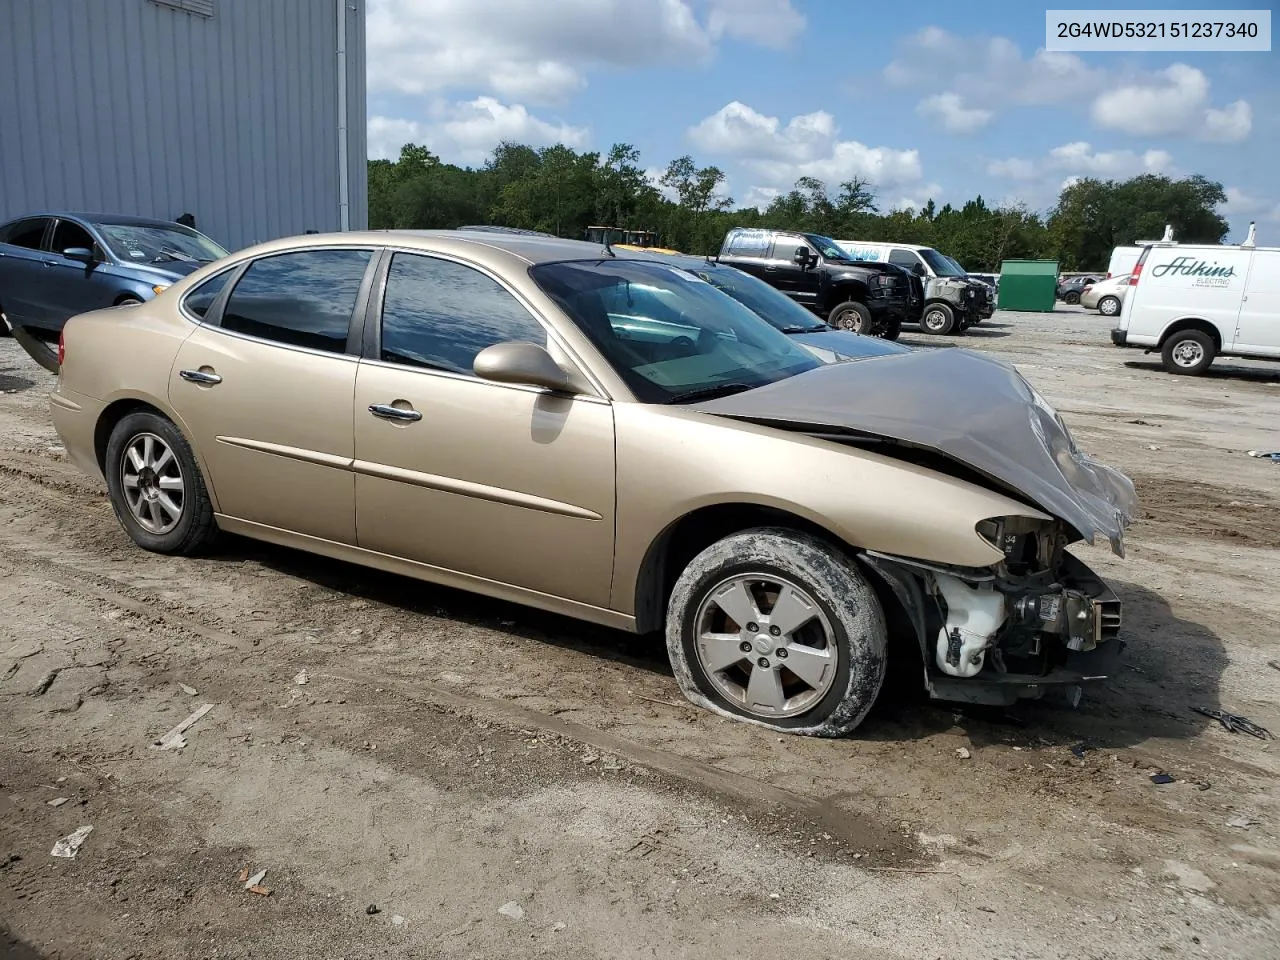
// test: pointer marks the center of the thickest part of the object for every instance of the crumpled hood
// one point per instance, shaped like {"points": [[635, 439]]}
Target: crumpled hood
{"points": [[965, 405]]}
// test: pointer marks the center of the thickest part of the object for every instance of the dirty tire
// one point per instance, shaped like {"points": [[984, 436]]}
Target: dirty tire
{"points": [[841, 592], [892, 332], [852, 316], [1109, 306], [1188, 352], [1071, 297], [195, 528], [938, 319]]}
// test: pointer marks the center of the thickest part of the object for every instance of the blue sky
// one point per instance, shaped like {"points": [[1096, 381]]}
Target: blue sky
{"points": [[945, 100]]}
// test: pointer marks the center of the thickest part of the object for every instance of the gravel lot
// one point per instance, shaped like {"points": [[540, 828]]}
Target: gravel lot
{"points": [[449, 756]]}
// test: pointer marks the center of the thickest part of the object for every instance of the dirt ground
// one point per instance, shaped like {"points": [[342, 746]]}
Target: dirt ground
{"points": [[449, 756]]}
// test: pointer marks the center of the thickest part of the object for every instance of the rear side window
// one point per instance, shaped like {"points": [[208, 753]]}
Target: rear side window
{"points": [[302, 299], [24, 233], [440, 314], [200, 299]]}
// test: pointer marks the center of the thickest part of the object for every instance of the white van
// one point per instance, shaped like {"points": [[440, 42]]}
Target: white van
{"points": [[1124, 258], [1194, 302]]}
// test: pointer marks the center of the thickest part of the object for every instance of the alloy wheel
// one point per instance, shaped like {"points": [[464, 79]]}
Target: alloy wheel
{"points": [[766, 645], [153, 485]]}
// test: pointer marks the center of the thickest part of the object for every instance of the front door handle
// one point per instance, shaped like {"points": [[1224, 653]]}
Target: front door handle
{"points": [[200, 376], [385, 411]]}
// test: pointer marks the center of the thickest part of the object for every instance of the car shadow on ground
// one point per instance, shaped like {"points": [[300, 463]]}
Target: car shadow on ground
{"points": [[12, 383], [1221, 370], [12, 948], [1169, 664], [418, 596]]}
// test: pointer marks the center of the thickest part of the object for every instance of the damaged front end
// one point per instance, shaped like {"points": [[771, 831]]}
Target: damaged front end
{"points": [[1039, 621]]}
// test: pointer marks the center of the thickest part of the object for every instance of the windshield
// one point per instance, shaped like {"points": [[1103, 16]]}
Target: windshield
{"points": [[670, 335], [828, 247], [152, 243], [940, 265], [776, 309], [955, 263]]}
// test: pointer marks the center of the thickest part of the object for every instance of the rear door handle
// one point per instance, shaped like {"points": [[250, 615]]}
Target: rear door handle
{"points": [[200, 376], [384, 411]]}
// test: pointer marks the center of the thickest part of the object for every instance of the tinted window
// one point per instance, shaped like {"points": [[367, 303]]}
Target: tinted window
{"points": [[68, 234], [304, 299], [784, 248], [748, 243], [904, 258], [24, 233], [440, 314], [201, 298]]}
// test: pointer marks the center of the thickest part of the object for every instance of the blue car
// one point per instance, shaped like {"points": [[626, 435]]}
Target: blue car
{"points": [[56, 265]]}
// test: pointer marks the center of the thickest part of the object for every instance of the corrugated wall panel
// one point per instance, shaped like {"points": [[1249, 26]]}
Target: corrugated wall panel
{"points": [[128, 106]]}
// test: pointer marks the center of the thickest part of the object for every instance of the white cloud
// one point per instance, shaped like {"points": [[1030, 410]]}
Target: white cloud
{"points": [[770, 23], [985, 73], [466, 132], [1245, 206], [950, 111], [808, 145], [538, 53], [1174, 101], [654, 176], [1080, 159]]}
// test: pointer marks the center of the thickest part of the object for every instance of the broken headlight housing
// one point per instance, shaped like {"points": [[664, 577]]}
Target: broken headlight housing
{"points": [[1028, 545]]}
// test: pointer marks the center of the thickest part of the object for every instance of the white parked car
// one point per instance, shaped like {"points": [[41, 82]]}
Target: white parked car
{"points": [[1105, 296], [1195, 302]]}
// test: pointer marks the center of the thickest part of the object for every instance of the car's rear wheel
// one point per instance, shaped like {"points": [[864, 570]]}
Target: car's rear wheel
{"points": [[1188, 352], [1071, 296], [852, 316], [1109, 306], [938, 319], [779, 629], [892, 332], [155, 486]]}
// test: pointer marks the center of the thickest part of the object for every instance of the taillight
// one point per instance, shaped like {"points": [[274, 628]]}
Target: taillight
{"points": [[62, 347], [1133, 277]]}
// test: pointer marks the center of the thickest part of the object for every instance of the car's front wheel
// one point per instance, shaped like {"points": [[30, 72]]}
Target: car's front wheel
{"points": [[892, 332], [852, 316], [1109, 306], [939, 319], [780, 629], [155, 486]]}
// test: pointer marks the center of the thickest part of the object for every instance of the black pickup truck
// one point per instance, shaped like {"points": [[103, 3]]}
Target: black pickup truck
{"points": [[865, 297]]}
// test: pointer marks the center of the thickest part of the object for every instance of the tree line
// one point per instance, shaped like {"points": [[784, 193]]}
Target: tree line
{"points": [[561, 191]]}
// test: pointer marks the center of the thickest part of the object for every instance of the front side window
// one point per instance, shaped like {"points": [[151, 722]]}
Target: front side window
{"points": [[439, 314], [302, 299], [904, 258], [68, 234], [671, 336], [24, 233], [940, 264], [827, 247], [159, 243]]}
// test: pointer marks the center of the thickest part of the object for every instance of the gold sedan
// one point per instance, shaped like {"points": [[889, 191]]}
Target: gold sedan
{"points": [[619, 437]]}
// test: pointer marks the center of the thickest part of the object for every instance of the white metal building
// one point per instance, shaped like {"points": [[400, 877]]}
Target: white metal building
{"points": [[247, 114]]}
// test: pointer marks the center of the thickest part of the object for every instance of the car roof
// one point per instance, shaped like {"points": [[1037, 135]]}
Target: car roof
{"points": [[121, 219]]}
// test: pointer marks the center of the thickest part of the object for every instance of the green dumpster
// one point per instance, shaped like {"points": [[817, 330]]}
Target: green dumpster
{"points": [[1028, 285]]}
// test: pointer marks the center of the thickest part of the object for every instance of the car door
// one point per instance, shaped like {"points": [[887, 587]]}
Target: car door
{"points": [[788, 276], [264, 387], [74, 286], [1258, 329], [496, 481], [23, 273]]}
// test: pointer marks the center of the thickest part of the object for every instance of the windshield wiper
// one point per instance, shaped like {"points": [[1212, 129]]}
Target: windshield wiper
{"points": [[174, 255], [710, 393]]}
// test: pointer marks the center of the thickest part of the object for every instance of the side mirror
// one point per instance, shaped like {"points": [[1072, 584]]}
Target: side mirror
{"points": [[524, 363], [83, 254], [918, 269]]}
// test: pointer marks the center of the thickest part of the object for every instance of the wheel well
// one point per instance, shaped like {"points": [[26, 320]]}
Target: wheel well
{"points": [[844, 293], [1194, 323], [112, 415], [127, 295]]}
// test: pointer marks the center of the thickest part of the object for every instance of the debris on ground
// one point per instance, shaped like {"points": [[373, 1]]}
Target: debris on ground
{"points": [[1161, 778], [1243, 822], [558, 926], [256, 879], [69, 845], [1080, 749], [512, 910], [1234, 723], [371, 910], [1274, 664], [1274, 456], [189, 690], [243, 876], [173, 740], [260, 890], [963, 753], [302, 677], [397, 920], [57, 801]]}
